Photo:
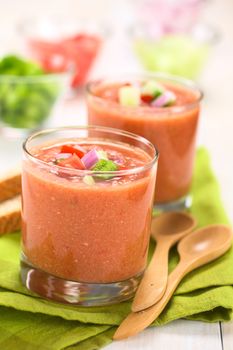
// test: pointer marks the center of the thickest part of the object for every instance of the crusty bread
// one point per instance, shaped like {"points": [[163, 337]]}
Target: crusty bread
{"points": [[10, 184], [10, 215]]}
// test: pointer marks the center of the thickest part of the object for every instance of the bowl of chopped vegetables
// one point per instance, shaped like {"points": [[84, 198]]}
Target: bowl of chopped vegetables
{"points": [[179, 53], [58, 42], [27, 94]]}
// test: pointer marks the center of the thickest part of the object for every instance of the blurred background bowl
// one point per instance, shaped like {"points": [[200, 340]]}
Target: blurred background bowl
{"points": [[27, 98], [182, 53], [58, 43]]}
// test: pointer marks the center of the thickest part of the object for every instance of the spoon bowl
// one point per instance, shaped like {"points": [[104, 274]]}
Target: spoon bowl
{"points": [[205, 244], [172, 223]]}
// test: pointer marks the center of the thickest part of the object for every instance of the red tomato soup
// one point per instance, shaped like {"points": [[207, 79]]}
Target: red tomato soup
{"points": [[89, 228], [171, 127]]}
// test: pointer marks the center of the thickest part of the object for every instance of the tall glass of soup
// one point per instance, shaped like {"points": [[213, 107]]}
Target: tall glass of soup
{"points": [[165, 110]]}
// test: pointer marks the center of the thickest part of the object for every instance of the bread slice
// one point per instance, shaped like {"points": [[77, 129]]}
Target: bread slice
{"points": [[10, 184], [10, 215]]}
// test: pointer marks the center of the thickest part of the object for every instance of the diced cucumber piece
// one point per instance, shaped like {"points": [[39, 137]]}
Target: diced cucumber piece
{"points": [[152, 88], [89, 180], [129, 96], [105, 165], [102, 155]]}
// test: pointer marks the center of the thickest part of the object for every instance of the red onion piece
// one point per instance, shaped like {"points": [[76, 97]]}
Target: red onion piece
{"points": [[167, 98], [90, 158]]}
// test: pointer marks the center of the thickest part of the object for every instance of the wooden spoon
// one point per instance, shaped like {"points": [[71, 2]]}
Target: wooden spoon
{"points": [[167, 229], [197, 249]]}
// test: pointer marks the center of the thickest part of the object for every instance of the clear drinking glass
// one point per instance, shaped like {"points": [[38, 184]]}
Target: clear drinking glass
{"points": [[171, 129], [85, 243]]}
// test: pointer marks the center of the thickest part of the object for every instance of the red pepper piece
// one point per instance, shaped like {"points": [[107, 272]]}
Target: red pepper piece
{"points": [[147, 98], [73, 162], [73, 149], [122, 167]]}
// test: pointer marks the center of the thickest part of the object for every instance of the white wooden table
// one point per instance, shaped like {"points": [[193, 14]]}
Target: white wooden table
{"points": [[216, 133]]}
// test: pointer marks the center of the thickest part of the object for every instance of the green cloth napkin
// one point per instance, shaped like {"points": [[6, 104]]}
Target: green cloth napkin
{"points": [[28, 322]]}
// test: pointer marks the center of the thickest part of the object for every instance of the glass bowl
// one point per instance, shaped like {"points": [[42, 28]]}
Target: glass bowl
{"points": [[58, 42], [26, 102], [179, 53]]}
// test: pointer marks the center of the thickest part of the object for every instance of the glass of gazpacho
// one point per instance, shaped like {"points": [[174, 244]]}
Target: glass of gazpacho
{"points": [[163, 109], [87, 206]]}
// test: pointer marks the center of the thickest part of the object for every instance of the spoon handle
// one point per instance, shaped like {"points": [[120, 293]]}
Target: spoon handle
{"points": [[136, 322], [154, 281]]}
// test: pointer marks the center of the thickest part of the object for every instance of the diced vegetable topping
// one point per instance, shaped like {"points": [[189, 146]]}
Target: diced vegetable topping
{"points": [[129, 96], [150, 92], [94, 159], [89, 180], [105, 165], [166, 99], [152, 88], [90, 158], [73, 149], [102, 155], [73, 162], [61, 156], [147, 98]]}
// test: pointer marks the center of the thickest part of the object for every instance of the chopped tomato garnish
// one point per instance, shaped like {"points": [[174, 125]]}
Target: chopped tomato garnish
{"points": [[73, 162], [122, 167], [147, 98], [73, 149]]}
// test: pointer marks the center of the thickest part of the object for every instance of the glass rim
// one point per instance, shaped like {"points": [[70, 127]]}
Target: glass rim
{"points": [[98, 27], [212, 34], [34, 79], [119, 132], [159, 75]]}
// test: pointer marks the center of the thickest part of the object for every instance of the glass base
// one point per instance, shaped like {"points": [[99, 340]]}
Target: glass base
{"points": [[76, 293], [181, 204]]}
